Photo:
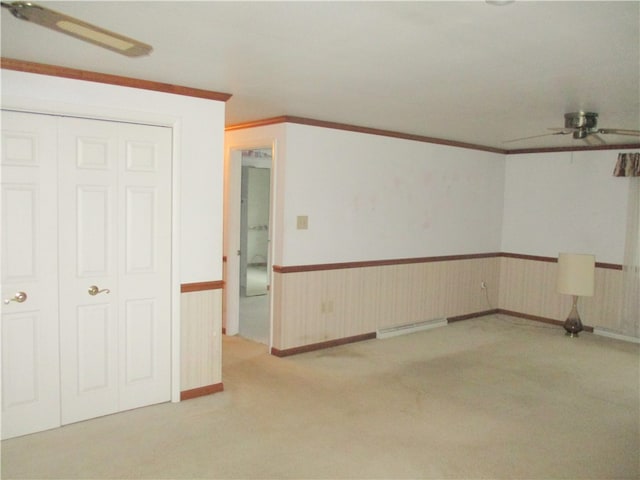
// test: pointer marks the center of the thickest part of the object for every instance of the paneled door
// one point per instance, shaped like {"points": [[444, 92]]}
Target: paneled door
{"points": [[115, 292], [29, 256], [86, 269]]}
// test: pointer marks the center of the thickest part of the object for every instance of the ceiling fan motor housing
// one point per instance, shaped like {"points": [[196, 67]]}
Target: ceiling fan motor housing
{"points": [[583, 123]]}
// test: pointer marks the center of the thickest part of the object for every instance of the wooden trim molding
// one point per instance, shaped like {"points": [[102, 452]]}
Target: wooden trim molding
{"points": [[201, 391], [201, 286], [257, 123], [405, 261], [536, 258], [610, 266], [536, 318], [378, 263], [459, 318], [322, 345], [72, 73], [367, 130], [417, 138]]}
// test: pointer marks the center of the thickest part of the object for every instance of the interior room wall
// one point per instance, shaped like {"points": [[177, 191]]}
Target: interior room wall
{"points": [[565, 202], [369, 197]]}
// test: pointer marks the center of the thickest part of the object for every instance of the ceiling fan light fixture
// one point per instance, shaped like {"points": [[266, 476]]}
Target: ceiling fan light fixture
{"points": [[77, 28], [583, 126], [581, 119], [94, 35]]}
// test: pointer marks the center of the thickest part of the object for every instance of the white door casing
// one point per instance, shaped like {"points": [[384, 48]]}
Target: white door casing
{"points": [[30, 366], [115, 191]]}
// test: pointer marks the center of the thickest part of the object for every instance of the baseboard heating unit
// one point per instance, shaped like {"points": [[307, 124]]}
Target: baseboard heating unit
{"points": [[410, 328], [618, 336]]}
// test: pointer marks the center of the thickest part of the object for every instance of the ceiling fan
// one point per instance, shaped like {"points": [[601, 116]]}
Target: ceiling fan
{"points": [[583, 126], [77, 28]]}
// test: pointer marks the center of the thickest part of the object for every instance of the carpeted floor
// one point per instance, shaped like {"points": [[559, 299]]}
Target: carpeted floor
{"points": [[494, 397]]}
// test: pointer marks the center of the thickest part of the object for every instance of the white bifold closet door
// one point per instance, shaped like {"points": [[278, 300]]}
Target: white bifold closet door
{"points": [[110, 327], [29, 265], [115, 212]]}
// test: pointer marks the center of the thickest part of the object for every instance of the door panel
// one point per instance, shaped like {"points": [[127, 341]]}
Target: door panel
{"points": [[88, 257], [30, 366], [95, 342], [145, 270], [116, 190], [93, 231]]}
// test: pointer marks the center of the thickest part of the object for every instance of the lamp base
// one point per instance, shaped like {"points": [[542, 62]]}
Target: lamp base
{"points": [[573, 324]]}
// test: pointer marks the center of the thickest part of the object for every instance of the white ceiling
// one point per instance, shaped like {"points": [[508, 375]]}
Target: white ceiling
{"points": [[461, 71]]}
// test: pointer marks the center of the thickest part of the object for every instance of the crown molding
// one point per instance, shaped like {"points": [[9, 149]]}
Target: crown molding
{"points": [[417, 138], [75, 74]]}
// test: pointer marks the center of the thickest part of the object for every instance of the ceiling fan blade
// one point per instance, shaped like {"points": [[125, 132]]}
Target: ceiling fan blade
{"points": [[594, 139], [77, 28], [562, 132], [617, 131]]}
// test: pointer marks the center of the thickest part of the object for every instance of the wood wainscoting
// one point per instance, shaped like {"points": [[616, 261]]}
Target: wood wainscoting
{"points": [[319, 306], [528, 290], [313, 305], [201, 339]]}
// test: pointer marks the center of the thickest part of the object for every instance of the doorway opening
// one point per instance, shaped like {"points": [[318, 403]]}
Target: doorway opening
{"points": [[255, 264]]}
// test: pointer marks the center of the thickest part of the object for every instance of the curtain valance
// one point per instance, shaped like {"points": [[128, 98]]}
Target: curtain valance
{"points": [[628, 165]]}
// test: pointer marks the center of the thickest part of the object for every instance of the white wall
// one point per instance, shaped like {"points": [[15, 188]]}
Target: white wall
{"points": [[565, 202], [236, 140], [370, 197], [199, 129]]}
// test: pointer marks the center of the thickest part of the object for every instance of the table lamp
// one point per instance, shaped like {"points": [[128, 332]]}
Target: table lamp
{"points": [[576, 273]]}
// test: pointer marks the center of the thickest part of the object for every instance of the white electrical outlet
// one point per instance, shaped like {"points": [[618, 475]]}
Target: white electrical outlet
{"points": [[302, 222], [326, 306]]}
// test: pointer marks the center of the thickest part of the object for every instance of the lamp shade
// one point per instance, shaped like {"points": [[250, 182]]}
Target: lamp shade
{"points": [[576, 273]]}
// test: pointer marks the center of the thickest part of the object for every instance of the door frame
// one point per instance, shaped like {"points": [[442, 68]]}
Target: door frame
{"points": [[231, 228], [46, 107]]}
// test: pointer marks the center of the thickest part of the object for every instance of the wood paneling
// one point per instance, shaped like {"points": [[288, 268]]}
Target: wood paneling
{"points": [[322, 305], [201, 339], [527, 286], [317, 306]]}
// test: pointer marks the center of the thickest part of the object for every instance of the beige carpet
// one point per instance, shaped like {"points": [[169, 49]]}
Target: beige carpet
{"points": [[487, 398]]}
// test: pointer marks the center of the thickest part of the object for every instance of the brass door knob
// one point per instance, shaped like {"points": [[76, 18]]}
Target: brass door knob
{"points": [[19, 297], [93, 290]]}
